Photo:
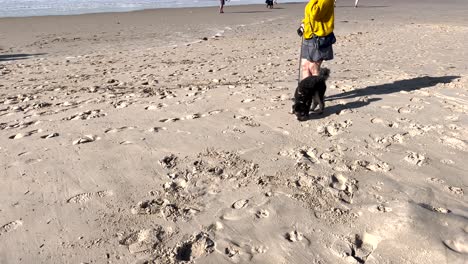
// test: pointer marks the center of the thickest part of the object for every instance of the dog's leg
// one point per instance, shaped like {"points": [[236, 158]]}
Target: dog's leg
{"points": [[321, 98], [316, 101], [321, 106], [314, 104]]}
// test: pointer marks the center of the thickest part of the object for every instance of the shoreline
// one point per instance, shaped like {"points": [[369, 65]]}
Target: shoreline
{"points": [[166, 27], [28, 34], [147, 9]]}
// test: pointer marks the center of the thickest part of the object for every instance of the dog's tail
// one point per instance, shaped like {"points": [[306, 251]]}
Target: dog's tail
{"points": [[324, 73]]}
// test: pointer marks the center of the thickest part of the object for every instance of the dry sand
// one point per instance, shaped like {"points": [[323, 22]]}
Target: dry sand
{"points": [[127, 138]]}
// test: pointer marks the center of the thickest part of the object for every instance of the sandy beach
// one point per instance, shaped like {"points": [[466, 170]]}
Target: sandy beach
{"points": [[164, 136]]}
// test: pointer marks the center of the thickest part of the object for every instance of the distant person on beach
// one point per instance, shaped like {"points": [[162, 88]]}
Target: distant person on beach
{"points": [[221, 5], [269, 3], [318, 38]]}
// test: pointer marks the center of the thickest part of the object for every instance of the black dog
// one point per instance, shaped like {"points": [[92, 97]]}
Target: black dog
{"points": [[310, 90], [269, 3]]}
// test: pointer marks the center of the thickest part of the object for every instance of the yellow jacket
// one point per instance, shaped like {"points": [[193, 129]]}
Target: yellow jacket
{"points": [[319, 18]]}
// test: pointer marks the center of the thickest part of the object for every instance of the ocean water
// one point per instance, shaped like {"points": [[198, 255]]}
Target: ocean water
{"points": [[20, 8]]}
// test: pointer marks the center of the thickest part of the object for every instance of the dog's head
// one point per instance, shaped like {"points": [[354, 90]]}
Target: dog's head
{"points": [[301, 111]]}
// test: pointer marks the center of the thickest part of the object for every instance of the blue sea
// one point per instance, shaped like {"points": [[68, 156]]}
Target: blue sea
{"points": [[20, 8]]}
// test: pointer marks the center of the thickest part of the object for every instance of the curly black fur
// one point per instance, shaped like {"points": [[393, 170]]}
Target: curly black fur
{"points": [[310, 90]]}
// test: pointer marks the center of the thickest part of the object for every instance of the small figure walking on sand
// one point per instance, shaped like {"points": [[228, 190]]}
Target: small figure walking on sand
{"points": [[269, 4], [221, 6]]}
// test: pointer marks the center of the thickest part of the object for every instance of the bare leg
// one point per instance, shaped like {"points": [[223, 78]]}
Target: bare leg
{"points": [[221, 6], [305, 65], [310, 68], [315, 68], [355, 3]]}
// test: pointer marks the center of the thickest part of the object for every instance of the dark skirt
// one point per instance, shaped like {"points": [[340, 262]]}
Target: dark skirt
{"points": [[312, 52]]}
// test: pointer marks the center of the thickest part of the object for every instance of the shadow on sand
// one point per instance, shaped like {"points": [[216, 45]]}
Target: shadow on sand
{"points": [[395, 87], [12, 57], [388, 88], [336, 109]]}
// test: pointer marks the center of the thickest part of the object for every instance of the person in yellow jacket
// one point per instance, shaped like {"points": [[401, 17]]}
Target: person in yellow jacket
{"points": [[318, 38]]}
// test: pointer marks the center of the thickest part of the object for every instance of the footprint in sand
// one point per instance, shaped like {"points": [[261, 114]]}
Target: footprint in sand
{"points": [[418, 129], [332, 129], [301, 153], [169, 162], [454, 190], [346, 188], [27, 134], [191, 116], [156, 107], [377, 120], [197, 246], [436, 180], [10, 227], [121, 104], [294, 236], [451, 189], [363, 246], [440, 210], [161, 207], [416, 158], [379, 166], [343, 249], [19, 125], [404, 110], [232, 251], [156, 129], [447, 161], [262, 213], [240, 204], [85, 139], [87, 115], [452, 118], [119, 129], [454, 143], [384, 209], [167, 120], [240, 251], [145, 240], [85, 197], [383, 142], [459, 245], [52, 135], [282, 97], [248, 100], [249, 121]]}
